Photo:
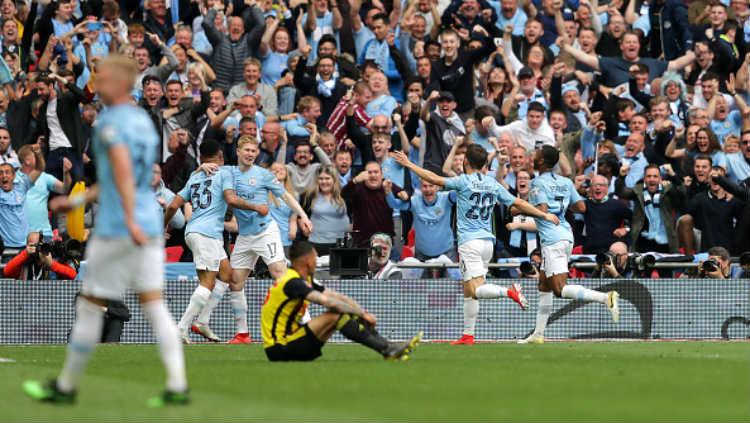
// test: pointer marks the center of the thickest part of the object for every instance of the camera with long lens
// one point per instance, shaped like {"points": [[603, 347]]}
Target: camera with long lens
{"points": [[745, 259], [69, 249], [642, 262], [605, 258], [528, 268], [710, 266]]}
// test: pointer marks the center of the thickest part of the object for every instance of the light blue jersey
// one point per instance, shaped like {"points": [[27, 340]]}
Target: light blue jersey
{"points": [[477, 195], [432, 221], [557, 192], [253, 185], [206, 194], [35, 205], [281, 214], [130, 126], [13, 223]]}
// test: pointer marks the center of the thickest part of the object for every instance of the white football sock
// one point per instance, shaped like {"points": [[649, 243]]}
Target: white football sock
{"points": [[86, 333], [170, 345], [213, 300], [197, 302], [543, 311], [239, 310], [578, 292], [471, 311], [489, 290]]}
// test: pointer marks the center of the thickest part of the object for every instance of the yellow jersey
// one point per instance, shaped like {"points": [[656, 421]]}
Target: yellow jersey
{"points": [[283, 307]]}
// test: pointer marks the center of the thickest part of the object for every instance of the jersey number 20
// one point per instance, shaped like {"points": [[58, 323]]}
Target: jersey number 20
{"points": [[481, 207]]}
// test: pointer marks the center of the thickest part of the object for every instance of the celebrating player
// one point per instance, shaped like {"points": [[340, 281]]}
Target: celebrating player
{"points": [[209, 196], [286, 339], [126, 250], [555, 194], [477, 195], [259, 234]]}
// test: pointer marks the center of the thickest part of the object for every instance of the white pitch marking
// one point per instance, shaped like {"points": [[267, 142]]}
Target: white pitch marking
{"points": [[6, 360]]}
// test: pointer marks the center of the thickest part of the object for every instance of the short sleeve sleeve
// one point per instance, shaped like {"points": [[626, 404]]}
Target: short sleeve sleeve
{"points": [[274, 185], [574, 195], [22, 183], [455, 183], [504, 196], [184, 193], [537, 195], [227, 180], [297, 288], [108, 135]]}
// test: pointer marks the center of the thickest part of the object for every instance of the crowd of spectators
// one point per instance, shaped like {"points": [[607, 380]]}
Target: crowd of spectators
{"points": [[647, 101]]}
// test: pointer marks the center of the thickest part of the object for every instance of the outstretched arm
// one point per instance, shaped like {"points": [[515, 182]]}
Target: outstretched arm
{"points": [[526, 208], [425, 174], [293, 204]]}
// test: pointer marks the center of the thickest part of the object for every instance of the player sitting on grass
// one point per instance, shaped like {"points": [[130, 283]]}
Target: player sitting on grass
{"points": [[554, 193], [285, 339], [477, 195]]}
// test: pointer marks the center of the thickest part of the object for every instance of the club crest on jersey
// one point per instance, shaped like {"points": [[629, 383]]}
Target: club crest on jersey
{"points": [[438, 211], [251, 181]]}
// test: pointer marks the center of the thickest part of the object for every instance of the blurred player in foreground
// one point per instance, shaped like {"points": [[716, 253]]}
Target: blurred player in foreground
{"points": [[285, 339], [555, 194], [126, 250], [477, 195]]}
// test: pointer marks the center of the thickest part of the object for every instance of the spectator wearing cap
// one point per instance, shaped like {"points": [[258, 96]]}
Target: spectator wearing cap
{"points": [[615, 70], [265, 94], [529, 91], [442, 127], [531, 132], [231, 49]]}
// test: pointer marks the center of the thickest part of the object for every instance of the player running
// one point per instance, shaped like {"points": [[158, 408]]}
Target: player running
{"points": [[126, 249], [209, 196], [477, 195], [258, 233], [285, 338], [555, 194]]}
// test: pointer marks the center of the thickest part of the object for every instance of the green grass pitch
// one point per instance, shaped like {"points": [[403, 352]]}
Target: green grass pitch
{"points": [[612, 381]]}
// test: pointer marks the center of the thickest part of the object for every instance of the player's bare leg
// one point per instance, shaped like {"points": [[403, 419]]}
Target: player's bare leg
{"points": [[206, 282], [562, 289], [476, 289], [357, 330], [217, 294]]}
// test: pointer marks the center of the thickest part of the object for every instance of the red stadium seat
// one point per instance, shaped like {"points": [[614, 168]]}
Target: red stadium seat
{"points": [[174, 253], [407, 251]]}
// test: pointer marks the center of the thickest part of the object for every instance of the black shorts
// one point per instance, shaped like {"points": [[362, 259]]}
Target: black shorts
{"points": [[306, 348]]}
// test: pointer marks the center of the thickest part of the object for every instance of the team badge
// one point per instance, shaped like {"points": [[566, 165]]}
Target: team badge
{"points": [[251, 181]]}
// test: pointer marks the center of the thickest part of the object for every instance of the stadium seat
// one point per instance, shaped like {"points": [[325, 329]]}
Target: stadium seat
{"points": [[407, 251], [174, 253]]}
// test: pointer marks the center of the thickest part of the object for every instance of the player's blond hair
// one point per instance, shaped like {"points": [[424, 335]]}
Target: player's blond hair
{"points": [[247, 139], [123, 66]]}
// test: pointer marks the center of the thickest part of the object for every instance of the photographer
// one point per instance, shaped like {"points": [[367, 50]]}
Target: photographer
{"points": [[530, 269], [379, 264], [717, 266], [35, 262], [614, 263]]}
